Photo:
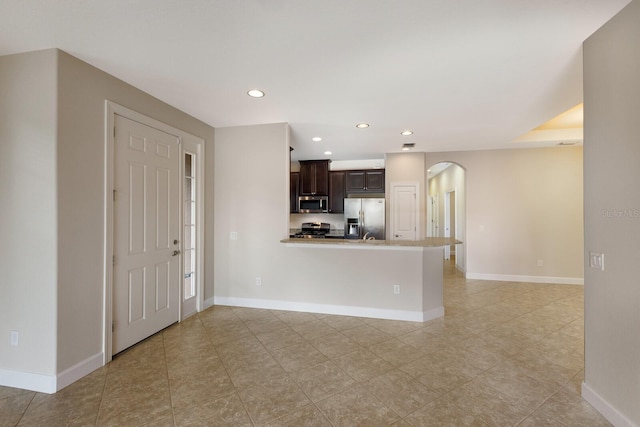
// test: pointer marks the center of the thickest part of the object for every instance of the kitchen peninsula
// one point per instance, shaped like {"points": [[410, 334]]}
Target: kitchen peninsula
{"points": [[387, 279]]}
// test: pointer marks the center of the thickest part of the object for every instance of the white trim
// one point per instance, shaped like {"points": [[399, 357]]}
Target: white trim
{"points": [[343, 310], [111, 109], [50, 383], [612, 415], [28, 381], [79, 370], [523, 278], [195, 146]]}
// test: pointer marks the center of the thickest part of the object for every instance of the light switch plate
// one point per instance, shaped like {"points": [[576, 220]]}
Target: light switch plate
{"points": [[596, 260]]}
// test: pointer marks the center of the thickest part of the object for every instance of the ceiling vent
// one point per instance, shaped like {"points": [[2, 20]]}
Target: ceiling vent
{"points": [[408, 146]]}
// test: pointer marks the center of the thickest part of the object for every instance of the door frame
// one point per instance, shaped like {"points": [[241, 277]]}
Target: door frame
{"points": [[416, 185], [111, 110]]}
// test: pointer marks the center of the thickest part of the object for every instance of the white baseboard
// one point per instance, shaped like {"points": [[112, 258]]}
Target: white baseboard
{"points": [[209, 302], [609, 412], [79, 370], [343, 310], [28, 381], [529, 279], [49, 383]]}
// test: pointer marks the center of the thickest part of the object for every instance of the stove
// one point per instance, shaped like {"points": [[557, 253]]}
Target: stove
{"points": [[313, 230]]}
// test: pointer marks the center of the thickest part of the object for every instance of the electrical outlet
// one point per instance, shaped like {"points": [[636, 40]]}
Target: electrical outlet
{"points": [[540, 263], [15, 338], [233, 235], [396, 289], [258, 281]]}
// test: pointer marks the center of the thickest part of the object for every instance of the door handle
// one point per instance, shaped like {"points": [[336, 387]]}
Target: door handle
{"points": [[175, 253]]}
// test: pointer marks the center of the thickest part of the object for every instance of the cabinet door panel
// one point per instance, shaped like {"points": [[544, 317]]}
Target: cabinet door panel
{"points": [[375, 181], [355, 181], [294, 191], [336, 192]]}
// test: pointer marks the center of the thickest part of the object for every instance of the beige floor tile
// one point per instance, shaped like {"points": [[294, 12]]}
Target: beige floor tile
{"points": [[366, 335], [296, 357], [244, 348], [309, 416], [400, 392], [505, 353], [570, 410], [356, 407], [362, 365], [396, 352], [280, 338], [335, 344], [322, 380], [268, 403], [13, 405], [443, 413], [266, 324], [343, 322], [250, 372], [223, 411]]}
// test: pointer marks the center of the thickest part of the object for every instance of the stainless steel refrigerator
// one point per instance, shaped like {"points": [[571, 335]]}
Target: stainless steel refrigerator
{"points": [[364, 217]]}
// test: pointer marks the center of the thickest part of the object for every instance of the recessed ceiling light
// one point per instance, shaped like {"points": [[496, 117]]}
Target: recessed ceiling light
{"points": [[255, 93], [362, 125], [406, 132], [327, 153], [316, 139]]}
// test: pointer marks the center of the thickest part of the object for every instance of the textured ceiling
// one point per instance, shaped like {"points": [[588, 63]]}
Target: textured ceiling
{"points": [[462, 75]]}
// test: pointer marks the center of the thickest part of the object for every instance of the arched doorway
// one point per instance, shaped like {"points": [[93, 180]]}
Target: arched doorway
{"points": [[446, 208]]}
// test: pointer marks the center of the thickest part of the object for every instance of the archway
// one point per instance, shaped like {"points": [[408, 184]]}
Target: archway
{"points": [[446, 207]]}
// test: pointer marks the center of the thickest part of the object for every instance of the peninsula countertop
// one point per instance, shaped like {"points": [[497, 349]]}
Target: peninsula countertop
{"points": [[424, 243]]}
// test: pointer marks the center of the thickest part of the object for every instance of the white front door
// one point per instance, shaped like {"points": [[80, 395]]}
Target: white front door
{"points": [[404, 212], [146, 269]]}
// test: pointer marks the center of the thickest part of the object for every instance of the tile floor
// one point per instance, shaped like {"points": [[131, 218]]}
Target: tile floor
{"points": [[505, 354]]}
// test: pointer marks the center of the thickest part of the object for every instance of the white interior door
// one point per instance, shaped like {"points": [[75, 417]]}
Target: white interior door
{"points": [[146, 265], [404, 211]]}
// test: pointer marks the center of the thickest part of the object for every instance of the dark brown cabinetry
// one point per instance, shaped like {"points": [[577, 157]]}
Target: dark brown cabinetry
{"points": [[294, 191], [365, 181], [314, 178], [336, 191]]}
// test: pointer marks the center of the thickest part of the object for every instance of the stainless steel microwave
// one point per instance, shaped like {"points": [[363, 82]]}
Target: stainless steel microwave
{"points": [[313, 204]]}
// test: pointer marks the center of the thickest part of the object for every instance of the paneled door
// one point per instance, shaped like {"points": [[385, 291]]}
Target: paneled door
{"points": [[404, 211], [146, 239]]}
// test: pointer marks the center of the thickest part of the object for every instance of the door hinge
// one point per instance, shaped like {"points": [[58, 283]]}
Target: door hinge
{"points": [[113, 260], [113, 327], [114, 195]]}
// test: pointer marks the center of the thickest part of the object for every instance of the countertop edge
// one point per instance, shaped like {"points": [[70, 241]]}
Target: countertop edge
{"points": [[429, 242]]}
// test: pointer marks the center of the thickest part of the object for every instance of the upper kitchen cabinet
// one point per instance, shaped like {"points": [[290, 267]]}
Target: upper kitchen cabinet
{"points": [[336, 191], [365, 181], [294, 191], [314, 178]]}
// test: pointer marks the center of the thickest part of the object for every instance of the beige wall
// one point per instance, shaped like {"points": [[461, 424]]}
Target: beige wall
{"points": [[252, 198], [406, 168], [612, 217], [71, 204], [522, 205], [28, 253]]}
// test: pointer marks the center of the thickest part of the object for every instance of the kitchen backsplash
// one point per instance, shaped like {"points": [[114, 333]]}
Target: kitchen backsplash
{"points": [[336, 220]]}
